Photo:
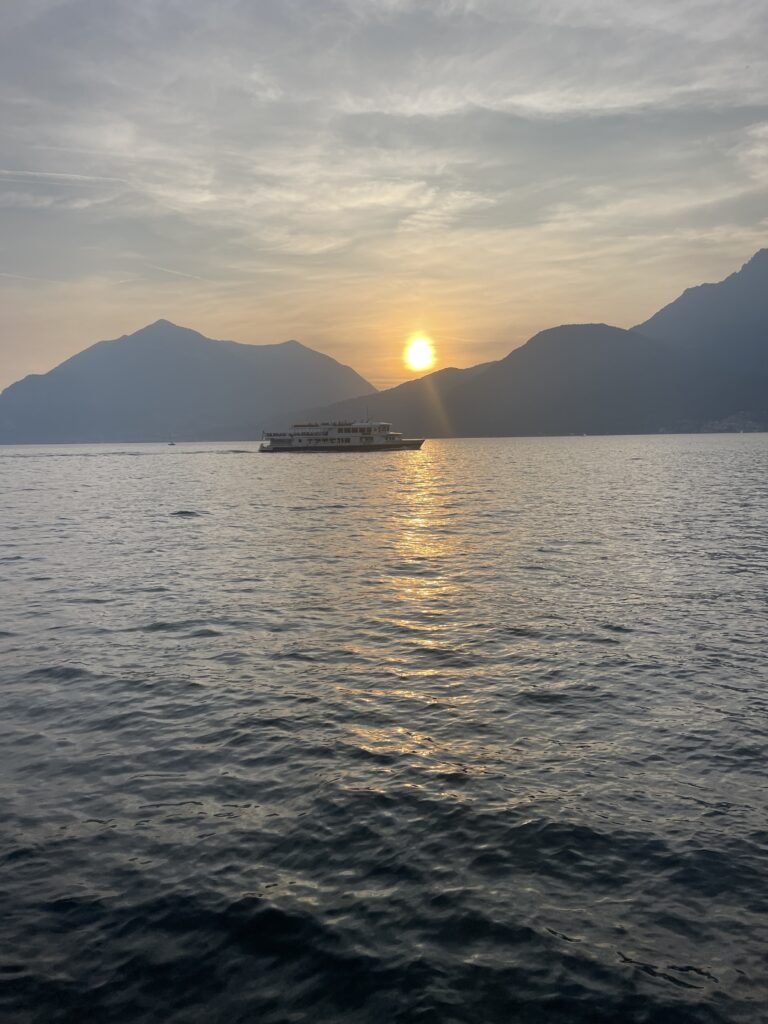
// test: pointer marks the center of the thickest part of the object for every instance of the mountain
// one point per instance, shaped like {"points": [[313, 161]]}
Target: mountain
{"points": [[700, 363], [578, 378], [720, 334], [420, 407], [166, 382], [732, 314]]}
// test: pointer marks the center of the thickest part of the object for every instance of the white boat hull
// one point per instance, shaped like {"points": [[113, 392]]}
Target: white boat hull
{"points": [[411, 444], [339, 436]]}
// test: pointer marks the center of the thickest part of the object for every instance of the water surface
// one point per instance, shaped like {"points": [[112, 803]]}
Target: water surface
{"points": [[474, 734]]}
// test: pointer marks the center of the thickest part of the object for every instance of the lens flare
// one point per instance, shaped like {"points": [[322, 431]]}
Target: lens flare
{"points": [[419, 353]]}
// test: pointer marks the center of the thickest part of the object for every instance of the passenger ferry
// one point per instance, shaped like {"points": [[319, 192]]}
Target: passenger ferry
{"points": [[339, 436]]}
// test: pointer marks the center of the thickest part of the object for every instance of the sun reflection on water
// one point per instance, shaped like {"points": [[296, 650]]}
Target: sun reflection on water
{"points": [[420, 635]]}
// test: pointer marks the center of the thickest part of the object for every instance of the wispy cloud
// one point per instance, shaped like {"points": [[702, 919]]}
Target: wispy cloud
{"points": [[26, 277], [56, 177], [176, 273], [350, 170]]}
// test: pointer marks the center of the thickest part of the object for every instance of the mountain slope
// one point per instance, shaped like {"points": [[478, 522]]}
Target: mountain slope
{"points": [[582, 378], [168, 382], [421, 407], [573, 379], [731, 313], [720, 332], [701, 363]]}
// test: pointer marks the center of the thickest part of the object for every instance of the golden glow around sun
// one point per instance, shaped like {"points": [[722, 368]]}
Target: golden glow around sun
{"points": [[419, 353]]}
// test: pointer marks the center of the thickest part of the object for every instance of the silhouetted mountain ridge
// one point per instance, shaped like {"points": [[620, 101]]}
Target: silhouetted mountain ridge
{"points": [[578, 378], [166, 382], [732, 312], [701, 363]]}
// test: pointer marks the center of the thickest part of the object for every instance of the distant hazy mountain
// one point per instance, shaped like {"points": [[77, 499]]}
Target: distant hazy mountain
{"points": [[732, 314], [701, 363], [422, 407], [720, 335], [580, 378], [168, 383]]}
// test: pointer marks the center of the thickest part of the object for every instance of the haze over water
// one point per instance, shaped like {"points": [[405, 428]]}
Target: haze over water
{"points": [[471, 734]]}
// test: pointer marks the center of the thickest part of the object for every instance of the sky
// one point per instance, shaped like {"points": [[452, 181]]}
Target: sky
{"points": [[349, 172]]}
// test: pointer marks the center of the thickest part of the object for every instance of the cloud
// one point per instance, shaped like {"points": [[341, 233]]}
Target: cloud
{"points": [[343, 170], [54, 177], [176, 273]]}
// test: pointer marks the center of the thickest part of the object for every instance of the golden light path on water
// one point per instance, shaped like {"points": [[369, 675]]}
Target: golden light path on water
{"points": [[421, 592]]}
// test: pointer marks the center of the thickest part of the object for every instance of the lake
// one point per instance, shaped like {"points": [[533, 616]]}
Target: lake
{"points": [[472, 734]]}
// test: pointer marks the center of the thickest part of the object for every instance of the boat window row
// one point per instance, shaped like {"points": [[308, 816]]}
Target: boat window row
{"points": [[323, 440], [382, 428]]}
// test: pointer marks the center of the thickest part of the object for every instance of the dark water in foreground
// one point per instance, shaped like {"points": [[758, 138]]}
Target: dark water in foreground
{"points": [[473, 734]]}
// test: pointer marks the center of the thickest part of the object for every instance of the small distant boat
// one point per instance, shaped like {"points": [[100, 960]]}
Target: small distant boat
{"points": [[339, 436]]}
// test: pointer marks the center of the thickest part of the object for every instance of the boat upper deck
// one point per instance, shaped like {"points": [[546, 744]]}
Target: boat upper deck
{"points": [[333, 429]]}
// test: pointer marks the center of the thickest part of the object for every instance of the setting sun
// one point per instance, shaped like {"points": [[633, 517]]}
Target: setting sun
{"points": [[419, 353]]}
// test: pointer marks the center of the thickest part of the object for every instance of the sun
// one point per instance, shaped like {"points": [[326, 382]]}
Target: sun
{"points": [[419, 353]]}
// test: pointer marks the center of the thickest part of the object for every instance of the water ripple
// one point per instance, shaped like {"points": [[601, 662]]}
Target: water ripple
{"points": [[473, 734]]}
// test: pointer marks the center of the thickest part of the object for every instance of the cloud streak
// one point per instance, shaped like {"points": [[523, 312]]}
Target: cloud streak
{"points": [[349, 172]]}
